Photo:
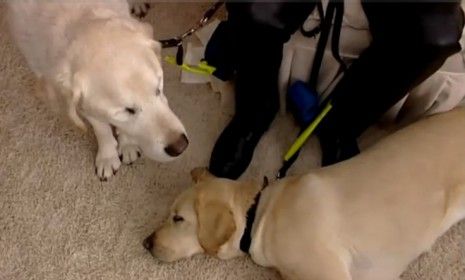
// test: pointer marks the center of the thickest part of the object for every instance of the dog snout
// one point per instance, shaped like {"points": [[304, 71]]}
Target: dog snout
{"points": [[176, 148], [148, 242]]}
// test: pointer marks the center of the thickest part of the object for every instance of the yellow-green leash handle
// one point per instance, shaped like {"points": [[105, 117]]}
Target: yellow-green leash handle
{"points": [[307, 132], [202, 68]]}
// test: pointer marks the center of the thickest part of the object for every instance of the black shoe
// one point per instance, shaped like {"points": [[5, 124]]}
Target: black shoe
{"points": [[336, 150], [234, 149]]}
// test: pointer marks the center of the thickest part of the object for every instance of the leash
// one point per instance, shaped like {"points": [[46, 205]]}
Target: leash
{"points": [[202, 68], [335, 9], [178, 40]]}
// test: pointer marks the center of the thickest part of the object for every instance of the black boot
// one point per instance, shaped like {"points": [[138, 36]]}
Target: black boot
{"points": [[336, 150], [254, 35], [336, 142], [234, 149], [404, 52], [257, 102], [220, 51]]}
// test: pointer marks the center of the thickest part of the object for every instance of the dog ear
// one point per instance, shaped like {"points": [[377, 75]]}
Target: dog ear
{"points": [[146, 29], [135, 25], [73, 100], [156, 47], [199, 174], [216, 224]]}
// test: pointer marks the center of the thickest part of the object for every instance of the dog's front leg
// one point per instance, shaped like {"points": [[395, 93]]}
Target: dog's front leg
{"points": [[107, 161], [127, 149]]}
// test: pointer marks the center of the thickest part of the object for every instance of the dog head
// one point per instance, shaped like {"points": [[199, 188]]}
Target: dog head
{"points": [[113, 74], [207, 218]]}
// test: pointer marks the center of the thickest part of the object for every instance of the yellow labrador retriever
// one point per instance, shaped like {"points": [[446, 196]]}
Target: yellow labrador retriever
{"points": [[105, 67], [366, 218]]}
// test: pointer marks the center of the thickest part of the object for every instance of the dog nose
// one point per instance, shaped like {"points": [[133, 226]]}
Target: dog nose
{"points": [[148, 242], [176, 148]]}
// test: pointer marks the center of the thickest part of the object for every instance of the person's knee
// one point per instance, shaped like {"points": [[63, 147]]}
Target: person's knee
{"points": [[279, 18], [435, 29], [424, 27], [443, 34], [435, 45]]}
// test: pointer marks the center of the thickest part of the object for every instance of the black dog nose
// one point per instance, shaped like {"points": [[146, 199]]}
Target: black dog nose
{"points": [[148, 242], [176, 148]]}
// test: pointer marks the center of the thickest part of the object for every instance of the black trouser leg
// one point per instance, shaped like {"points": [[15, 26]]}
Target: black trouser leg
{"points": [[257, 32], [257, 102], [410, 42]]}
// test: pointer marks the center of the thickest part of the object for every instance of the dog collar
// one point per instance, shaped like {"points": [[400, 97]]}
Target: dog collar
{"points": [[246, 238]]}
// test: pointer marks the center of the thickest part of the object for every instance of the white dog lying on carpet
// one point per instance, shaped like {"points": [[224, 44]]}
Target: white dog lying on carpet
{"points": [[105, 65], [366, 218]]}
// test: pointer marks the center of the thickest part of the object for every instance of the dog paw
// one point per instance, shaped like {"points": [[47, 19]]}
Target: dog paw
{"points": [[140, 10], [128, 153], [105, 167]]}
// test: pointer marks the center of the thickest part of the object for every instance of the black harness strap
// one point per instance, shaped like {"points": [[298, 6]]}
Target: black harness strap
{"points": [[339, 16], [334, 10], [326, 22], [246, 238], [313, 32]]}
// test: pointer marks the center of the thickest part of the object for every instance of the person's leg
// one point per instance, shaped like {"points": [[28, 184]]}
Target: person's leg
{"points": [[257, 32], [410, 42]]}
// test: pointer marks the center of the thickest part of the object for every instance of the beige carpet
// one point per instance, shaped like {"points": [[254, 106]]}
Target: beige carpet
{"points": [[58, 221]]}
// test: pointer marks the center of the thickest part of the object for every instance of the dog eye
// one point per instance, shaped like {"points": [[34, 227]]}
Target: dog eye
{"points": [[177, 219], [131, 111], [157, 92]]}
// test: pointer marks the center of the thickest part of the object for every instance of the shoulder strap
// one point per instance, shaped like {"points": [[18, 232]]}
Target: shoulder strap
{"points": [[313, 32], [335, 9], [320, 49], [339, 6]]}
